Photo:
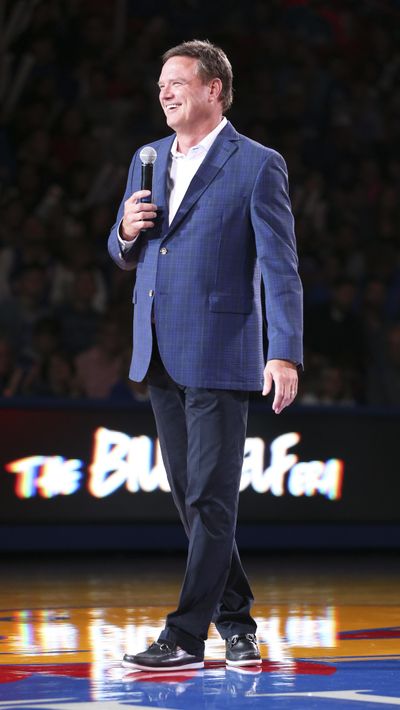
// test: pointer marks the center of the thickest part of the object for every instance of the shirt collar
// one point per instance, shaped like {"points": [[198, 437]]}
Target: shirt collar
{"points": [[205, 143]]}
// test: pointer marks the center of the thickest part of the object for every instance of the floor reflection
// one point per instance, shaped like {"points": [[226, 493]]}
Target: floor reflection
{"points": [[62, 641], [103, 635]]}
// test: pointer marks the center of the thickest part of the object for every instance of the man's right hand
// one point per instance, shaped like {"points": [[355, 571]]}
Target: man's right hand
{"points": [[137, 215]]}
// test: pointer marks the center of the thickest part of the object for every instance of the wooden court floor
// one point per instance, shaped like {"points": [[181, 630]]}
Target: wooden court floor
{"points": [[328, 627]]}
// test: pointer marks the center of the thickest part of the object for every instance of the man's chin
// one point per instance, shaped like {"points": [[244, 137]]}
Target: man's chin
{"points": [[172, 122]]}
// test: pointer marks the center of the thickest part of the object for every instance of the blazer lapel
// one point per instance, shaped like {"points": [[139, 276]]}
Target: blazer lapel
{"points": [[221, 150], [160, 177]]}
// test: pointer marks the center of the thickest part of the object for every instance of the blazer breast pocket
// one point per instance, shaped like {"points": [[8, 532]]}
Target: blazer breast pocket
{"points": [[229, 303]]}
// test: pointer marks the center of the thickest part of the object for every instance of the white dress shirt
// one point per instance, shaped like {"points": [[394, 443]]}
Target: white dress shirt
{"points": [[182, 169]]}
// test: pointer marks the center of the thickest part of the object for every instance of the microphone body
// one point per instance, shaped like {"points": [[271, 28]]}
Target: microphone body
{"points": [[147, 180], [148, 157]]}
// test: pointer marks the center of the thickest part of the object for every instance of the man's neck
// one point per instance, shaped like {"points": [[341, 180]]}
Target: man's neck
{"points": [[186, 141]]}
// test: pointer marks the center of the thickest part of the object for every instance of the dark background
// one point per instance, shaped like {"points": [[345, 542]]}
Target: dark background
{"points": [[317, 81]]}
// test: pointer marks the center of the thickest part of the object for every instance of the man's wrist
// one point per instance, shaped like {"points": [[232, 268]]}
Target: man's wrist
{"points": [[125, 244], [123, 234], [285, 359]]}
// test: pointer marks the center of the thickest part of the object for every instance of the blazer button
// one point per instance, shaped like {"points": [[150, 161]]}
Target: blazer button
{"points": [[151, 293], [163, 250]]}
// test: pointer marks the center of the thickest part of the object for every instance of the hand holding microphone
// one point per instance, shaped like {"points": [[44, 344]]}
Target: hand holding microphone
{"points": [[139, 211]]}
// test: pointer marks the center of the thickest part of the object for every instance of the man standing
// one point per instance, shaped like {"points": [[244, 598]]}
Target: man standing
{"points": [[219, 218]]}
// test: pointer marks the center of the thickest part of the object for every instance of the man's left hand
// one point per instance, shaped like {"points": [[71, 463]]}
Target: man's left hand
{"points": [[284, 376]]}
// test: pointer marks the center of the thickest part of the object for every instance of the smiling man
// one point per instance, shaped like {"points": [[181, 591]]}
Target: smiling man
{"points": [[219, 220]]}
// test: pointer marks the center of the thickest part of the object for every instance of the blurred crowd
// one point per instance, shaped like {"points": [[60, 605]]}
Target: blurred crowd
{"points": [[318, 81]]}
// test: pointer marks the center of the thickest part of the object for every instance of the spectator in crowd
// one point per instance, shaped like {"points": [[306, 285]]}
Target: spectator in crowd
{"points": [[26, 306], [53, 377], [335, 332], [384, 372], [78, 315], [329, 385], [99, 368], [11, 373]]}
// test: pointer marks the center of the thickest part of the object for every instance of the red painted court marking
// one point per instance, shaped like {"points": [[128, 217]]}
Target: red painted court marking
{"points": [[299, 668], [10, 673], [391, 633]]}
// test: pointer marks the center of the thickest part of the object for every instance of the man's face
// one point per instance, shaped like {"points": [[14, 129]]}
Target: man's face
{"points": [[186, 101]]}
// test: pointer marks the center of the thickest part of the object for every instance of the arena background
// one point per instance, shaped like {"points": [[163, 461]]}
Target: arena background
{"points": [[317, 81]]}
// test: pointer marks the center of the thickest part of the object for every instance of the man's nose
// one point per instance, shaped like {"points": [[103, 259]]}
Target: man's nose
{"points": [[166, 92]]}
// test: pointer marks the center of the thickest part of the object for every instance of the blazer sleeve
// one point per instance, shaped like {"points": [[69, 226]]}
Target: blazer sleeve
{"points": [[273, 225], [127, 259]]}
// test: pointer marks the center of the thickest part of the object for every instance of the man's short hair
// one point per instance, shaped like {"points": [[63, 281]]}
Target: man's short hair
{"points": [[212, 64]]}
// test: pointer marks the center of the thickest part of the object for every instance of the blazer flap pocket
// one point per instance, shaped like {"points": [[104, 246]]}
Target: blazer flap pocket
{"points": [[230, 303]]}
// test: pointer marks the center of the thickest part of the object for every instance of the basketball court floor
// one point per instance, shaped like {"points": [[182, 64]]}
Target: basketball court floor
{"points": [[328, 626]]}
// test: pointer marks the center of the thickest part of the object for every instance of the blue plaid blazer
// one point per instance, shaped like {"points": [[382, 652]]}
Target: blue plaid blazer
{"points": [[199, 278]]}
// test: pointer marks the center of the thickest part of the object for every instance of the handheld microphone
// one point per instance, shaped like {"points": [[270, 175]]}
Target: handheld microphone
{"points": [[147, 156]]}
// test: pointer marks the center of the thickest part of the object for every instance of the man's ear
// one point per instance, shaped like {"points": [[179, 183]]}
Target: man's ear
{"points": [[215, 89]]}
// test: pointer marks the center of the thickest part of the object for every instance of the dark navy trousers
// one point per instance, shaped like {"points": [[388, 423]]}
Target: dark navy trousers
{"points": [[202, 435]]}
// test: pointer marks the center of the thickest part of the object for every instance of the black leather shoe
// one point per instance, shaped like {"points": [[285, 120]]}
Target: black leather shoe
{"points": [[242, 651], [162, 656]]}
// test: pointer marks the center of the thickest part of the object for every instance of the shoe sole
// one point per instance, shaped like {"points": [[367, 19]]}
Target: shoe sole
{"points": [[163, 669], [249, 662]]}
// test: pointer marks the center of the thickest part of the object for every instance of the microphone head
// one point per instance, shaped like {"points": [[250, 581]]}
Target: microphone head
{"points": [[148, 155]]}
